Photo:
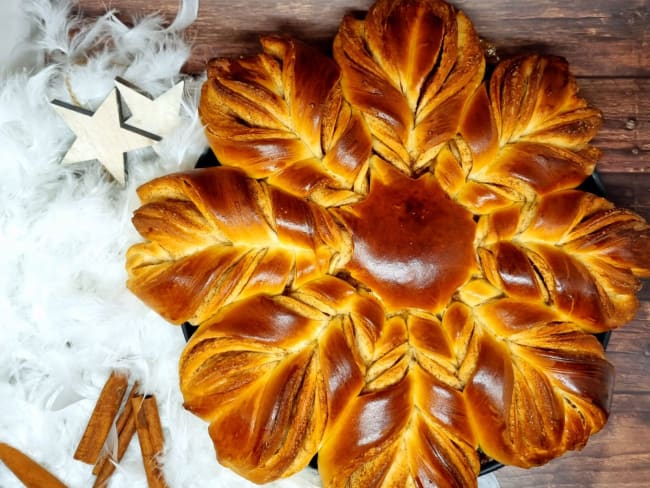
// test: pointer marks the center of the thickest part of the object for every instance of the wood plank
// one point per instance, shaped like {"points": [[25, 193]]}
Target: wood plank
{"points": [[629, 352], [629, 190], [625, 134], [599, 37]]}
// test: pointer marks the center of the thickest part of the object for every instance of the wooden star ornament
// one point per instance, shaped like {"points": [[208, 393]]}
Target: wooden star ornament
{"points": [[159, 115], [101, 136]]}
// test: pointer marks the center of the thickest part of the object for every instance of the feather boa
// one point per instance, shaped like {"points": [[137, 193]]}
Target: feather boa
{"points": [[67, 317]]}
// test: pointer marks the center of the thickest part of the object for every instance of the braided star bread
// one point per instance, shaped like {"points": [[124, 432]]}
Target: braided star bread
{"points": [[392, 268]]}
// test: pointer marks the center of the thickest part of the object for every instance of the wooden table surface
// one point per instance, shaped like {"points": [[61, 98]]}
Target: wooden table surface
{"points": [[607, 43]]}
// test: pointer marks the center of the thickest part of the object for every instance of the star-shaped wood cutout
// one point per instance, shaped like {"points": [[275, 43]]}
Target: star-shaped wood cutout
{"points": [[100, 136], [157, 116]]}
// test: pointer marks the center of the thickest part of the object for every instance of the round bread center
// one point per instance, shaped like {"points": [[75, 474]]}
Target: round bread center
{"points": [[413, 245]]}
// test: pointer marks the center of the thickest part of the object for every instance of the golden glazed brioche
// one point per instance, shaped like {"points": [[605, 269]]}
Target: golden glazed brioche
{"points": [[216, 236], [281, 116], [392, 268]]}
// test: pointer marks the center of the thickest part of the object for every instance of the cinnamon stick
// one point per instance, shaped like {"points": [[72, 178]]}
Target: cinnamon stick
{"points": [[125, 426], [102, 418], [32, 474], [150, 437]]}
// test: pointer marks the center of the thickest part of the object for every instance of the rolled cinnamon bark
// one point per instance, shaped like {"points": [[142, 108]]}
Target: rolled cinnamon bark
{"points": [[150, 436], [32, 474], [102, 418], [125, 426]]}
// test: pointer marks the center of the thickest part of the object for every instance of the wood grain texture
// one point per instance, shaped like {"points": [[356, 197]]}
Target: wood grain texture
{"points": [[604, 36], [630, 190], [625, 134], [607, 43]]}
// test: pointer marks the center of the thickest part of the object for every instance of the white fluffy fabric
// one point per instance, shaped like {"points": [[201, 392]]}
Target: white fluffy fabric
{"points": [[68, 319]]}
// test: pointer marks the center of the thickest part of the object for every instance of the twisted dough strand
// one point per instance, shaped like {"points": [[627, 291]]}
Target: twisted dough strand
{"points": [[215, 236]]}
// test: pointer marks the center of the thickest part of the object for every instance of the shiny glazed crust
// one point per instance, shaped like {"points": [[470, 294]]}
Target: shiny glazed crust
{"points": [[392, 267]]}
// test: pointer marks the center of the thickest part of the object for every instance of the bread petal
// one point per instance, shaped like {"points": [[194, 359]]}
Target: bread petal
{"points": [[271, 373], [403, 67], [280, 115], [408, 434], [216, 236], [540, 387]]}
